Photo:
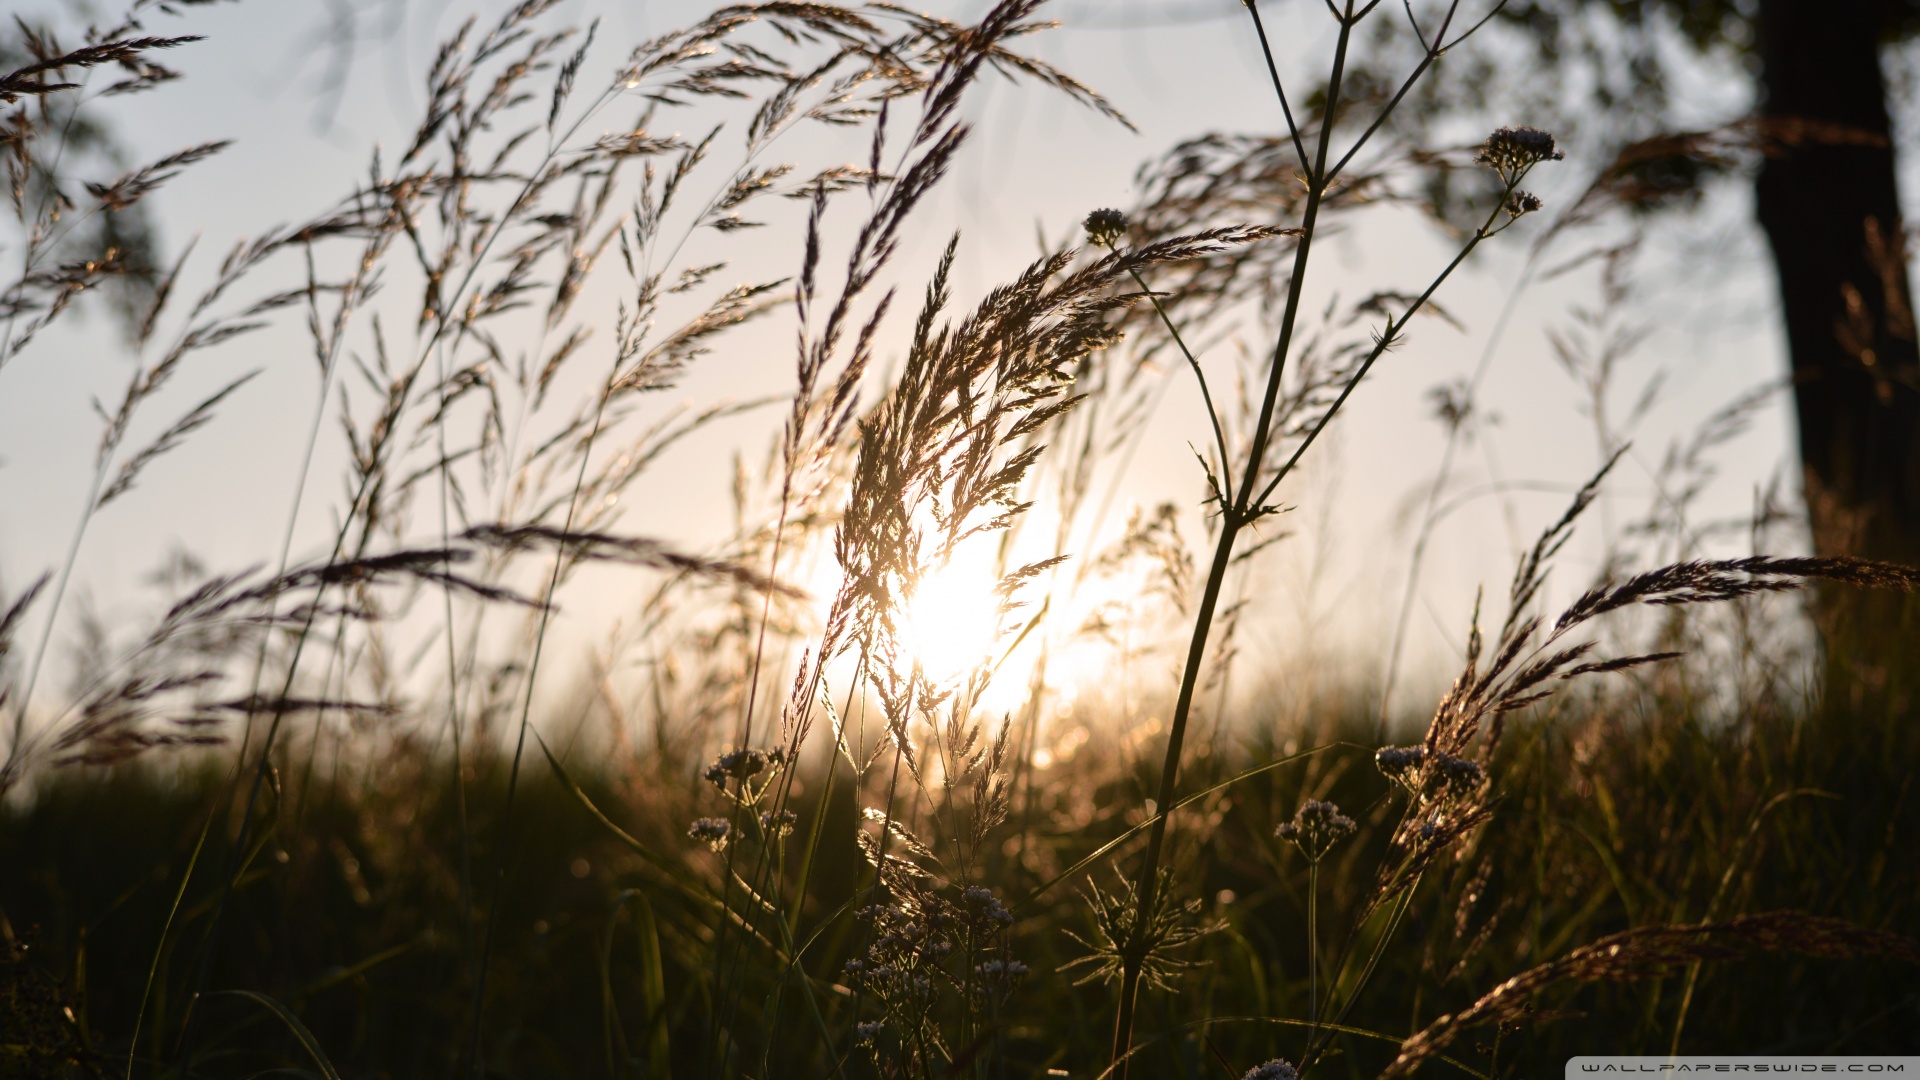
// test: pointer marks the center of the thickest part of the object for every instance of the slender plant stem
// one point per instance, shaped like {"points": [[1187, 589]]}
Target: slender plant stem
{"points": [[210, 944], [18, 745], [1313, 948], [1435, 50], [1232, 518], [1145, 886], [453, 673], [235, 863], [1388, 338], [873, 891], [1206, 396], [766, 610], [1316, 1045], [526, 712], [1248, 507], [173, 911], [1279, 91]]}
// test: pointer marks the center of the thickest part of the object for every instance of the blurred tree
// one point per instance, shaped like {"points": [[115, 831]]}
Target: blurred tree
{"points": [[1831, 211], [1825, 196]]}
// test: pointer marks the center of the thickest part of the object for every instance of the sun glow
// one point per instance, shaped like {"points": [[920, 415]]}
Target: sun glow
{"points": [[952, 621], [1073, 635]]}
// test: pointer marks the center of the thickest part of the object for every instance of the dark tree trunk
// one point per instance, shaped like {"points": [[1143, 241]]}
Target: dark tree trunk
{"points": [[1830, 207]]}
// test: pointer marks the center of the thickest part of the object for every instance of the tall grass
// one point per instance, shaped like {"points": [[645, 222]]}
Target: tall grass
{"points": [[803, 844]]}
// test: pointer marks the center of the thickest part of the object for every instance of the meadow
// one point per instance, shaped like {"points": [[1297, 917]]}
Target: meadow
{"points": [[909, 775]]}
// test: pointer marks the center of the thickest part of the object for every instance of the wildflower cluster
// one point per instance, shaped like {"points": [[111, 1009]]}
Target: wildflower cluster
{"points": [[925, 944], [1430, 776], [1106, 227], [1277, 1069], [777, 825], [1512, 151], [741, 766], [1316, 827], [743, 776], [997, 978], [1452, 777], [711, 831], [1400, 763], [1520, 203]]}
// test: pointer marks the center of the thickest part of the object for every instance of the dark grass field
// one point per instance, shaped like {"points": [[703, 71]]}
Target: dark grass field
{"points": [[349, 912]]}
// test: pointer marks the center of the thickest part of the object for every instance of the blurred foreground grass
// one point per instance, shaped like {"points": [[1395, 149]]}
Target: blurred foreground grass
{"points": [[1619, 811]]}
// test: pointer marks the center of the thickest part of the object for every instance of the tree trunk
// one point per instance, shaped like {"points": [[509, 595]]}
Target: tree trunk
{"points": [[1830, 207]]}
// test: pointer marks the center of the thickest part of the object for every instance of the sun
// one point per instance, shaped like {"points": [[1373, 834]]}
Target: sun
{"points": [[952, 620]]}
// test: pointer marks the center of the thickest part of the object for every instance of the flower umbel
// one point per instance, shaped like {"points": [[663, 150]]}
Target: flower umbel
{"points": [[985, 909], [741, 765], [995, 979], [1454, 776], [777, 826], [1316, 827], [1277, 1069], [1106, 227], [1430, 776], [711, 831], [1401, 764], [1512, 151], [1522, 202]]}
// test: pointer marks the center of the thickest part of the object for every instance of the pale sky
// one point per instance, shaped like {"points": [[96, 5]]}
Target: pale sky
{"points": [[1176, 67]]}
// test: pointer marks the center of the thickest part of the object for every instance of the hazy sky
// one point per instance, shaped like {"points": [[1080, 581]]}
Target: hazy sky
{"points": [[1036, 161]]}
